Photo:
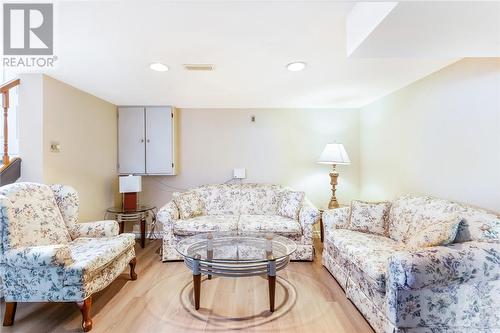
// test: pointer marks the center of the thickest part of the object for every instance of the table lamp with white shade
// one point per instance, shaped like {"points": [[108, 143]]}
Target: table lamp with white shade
{"points": [[334, 153], [129, 186]]}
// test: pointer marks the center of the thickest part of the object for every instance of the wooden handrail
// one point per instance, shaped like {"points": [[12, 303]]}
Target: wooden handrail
{"points": [[4, 90]]}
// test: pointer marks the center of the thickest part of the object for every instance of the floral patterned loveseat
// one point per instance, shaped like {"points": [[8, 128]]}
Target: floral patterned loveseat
{"points": [[241, 208], [47, 256], [453, 288]]}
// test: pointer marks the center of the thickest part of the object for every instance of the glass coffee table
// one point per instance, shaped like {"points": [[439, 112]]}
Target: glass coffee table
{"points": [[236, 255]]}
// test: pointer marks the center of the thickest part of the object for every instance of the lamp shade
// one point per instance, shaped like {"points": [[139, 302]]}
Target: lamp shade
{"points": [[130, 184], [334, 153]]}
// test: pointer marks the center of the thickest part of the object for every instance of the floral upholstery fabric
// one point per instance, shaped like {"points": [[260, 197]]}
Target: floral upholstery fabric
{"points": [[91, 255], [71, 267], [35, 203], [200, 224], [289, 204], [252, 204], [337, 218], [370, 217], [452, 288], [269, 223], [259, 199], [368, 252], [219, 199], [440, 233], [189, 204], [38, 256]]}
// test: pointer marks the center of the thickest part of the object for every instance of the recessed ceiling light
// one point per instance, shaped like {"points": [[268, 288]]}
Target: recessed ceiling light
{"points": [[158, 66], [296, 66]]}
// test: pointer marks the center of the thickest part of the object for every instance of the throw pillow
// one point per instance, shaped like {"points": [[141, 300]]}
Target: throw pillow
{"points": [[189, 205], [289, 204], [370, 217], [436, 234]]}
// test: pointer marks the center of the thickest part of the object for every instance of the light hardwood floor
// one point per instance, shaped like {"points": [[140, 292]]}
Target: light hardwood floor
{"points": [[308, 299]]}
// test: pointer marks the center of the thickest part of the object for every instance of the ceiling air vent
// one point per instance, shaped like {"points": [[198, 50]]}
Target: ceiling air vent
{"points": [[199, 67]]}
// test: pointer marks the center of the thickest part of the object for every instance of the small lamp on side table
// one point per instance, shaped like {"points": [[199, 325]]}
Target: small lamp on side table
{"points": [[129, 186], [334, 153]]}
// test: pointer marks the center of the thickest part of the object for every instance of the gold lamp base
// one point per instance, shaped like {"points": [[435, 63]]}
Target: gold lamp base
{"points": [[334, 175]]}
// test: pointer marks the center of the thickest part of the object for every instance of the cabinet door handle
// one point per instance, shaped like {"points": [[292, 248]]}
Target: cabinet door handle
{"points": [[147, 140], [142, 140]]}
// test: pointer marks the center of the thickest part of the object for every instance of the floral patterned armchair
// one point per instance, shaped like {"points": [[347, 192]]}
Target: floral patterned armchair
{"points": [[47, 256], [452, 288], [242, 208]]}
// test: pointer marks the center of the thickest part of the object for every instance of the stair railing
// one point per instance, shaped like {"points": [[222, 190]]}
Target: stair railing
{"points": [[4, 90]]}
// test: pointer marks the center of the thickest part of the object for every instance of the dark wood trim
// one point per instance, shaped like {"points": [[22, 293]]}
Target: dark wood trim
{"points": [[85, 308], [10, 313], [132, 263]]}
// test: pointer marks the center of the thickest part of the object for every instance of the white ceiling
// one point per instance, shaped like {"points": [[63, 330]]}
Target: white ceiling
{"points": [[105, 48]]}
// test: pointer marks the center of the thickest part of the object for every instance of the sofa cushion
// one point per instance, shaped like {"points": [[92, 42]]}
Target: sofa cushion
{"points": [[38, 220], [206, 223], [411, 214], [269, 223], [220, 199], [370, 217], [368, 252], [437, 234], [189, 204], [91, 255], [259, 199], [289, 204]]}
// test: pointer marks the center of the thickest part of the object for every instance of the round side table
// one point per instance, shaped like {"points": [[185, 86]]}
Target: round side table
{"points": [[139, 214]]}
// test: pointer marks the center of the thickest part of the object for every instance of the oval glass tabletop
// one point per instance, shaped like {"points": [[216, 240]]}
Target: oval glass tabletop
{"points": [[137, 209], [236, 247]]}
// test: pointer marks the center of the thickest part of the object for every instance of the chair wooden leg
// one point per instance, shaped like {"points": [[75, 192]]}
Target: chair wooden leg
{"points": [[10, 313], [85, 308], [132, 264]]}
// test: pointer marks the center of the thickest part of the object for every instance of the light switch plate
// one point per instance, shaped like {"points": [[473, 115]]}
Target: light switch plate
{"points": [[239, 173]]}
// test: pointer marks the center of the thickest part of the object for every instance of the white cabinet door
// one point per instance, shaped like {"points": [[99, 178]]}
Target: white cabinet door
{"points": [[159, 140], [131, 140]]}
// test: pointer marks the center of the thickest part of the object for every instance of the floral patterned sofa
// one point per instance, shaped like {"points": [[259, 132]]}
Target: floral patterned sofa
{"points": [[47, 256], [453, 288], [241, 208]]}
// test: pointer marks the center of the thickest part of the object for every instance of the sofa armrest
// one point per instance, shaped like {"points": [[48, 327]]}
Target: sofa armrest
{"points": [[443, 265], [167, 214], [38, 256], [97, 229], [337, 218], [308, 217]]}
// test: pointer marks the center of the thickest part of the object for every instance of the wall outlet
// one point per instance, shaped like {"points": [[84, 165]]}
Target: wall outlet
{"points": [[239, 173]]}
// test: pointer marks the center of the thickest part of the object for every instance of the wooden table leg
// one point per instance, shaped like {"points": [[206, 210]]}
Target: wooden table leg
{"points": [[196, 281], [271, 278], [197, 289], [121, 225], [143, 233], [272, 291]]}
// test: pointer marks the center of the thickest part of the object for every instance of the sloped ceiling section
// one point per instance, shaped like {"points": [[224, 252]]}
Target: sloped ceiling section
{"points": [[424, 29]]}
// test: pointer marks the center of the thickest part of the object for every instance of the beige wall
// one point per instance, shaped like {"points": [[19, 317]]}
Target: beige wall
{"points": [[86, 128], [282, 147], [440, 136]]}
